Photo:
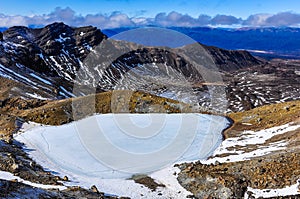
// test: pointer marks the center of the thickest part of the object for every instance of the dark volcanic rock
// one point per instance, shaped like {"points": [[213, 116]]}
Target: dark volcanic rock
{"points": [[54, 52], [13, 159], [231, 60], [1, 36], [89, 33], [57, 50], [164, 60], [35, 46]]}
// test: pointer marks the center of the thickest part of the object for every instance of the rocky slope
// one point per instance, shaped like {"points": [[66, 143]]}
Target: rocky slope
{"points": [[232, 60], [243, 161], [47, 59]]}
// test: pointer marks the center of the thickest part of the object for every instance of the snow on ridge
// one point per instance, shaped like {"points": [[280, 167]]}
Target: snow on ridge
{"points": [[260, 51], [36, 96], [2, 74], [16, 74], [67, 92], [62, 39], [41, 79]]}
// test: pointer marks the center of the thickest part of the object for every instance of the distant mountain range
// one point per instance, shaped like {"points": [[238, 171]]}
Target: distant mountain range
{"points": [[267, 42]]}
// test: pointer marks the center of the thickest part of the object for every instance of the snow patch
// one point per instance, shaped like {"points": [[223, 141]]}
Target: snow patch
{"points": [[9, 176], [36, 96], [251, 138], [168, 177], [268, 193]]}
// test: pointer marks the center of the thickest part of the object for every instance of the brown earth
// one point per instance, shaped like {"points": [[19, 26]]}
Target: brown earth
{"points": [[147, 182], [59, 112], [275, 170], [265, 116]]}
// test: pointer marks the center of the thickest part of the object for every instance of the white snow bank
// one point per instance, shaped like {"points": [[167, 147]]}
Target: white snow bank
{"points": [[268, 193], [168, 177], [9, 176]]}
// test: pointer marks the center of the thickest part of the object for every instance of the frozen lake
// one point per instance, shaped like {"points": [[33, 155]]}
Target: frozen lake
{"points": [[119, 145]]}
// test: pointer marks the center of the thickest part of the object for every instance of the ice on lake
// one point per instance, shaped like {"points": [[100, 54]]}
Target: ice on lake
{"points": [[119, 145]]}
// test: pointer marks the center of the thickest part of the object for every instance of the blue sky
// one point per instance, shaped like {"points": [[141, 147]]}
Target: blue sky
{"points": [[150, 8], [15, 12]]}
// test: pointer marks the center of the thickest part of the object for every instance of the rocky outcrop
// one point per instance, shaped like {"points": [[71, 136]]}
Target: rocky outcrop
{"points": [[14, 160], [230, 180], [33, 48], [215, 184], [1, 36]]}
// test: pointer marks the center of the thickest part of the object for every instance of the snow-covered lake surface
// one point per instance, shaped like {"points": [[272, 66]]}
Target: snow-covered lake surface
{"points": [[102, 145], [107, 149]]}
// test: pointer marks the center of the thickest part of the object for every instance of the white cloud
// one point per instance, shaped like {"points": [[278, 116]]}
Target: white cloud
{"points": [[117, 19], [12, 20], [224, 20], [257, 20], [178, 19], [279, 19], [284, 19]]}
